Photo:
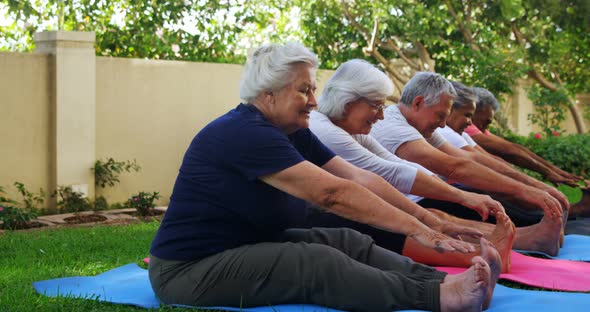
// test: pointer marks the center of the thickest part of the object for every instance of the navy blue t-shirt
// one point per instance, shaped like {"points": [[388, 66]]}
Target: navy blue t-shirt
{"points": [[218, 202]]}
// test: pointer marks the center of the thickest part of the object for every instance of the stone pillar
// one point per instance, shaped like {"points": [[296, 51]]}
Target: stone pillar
{"points": [[73, 107]]}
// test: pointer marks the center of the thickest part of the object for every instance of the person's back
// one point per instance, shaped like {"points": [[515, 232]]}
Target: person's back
{"points": [[217, 198]]}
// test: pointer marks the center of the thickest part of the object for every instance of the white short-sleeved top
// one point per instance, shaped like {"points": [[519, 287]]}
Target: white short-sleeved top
{"points": [[394, 130], [468, 138], [366, 153], [454, 138]]}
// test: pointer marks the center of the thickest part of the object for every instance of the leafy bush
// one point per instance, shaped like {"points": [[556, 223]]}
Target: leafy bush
{"points": [[107, 172], [550, 109], [31, 200], [70, 200], [143, 202], [11, 216], [568, 152], [100, 203]]}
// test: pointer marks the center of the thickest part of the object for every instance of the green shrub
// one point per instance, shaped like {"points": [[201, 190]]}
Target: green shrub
{"points": [[100, 203], [11, 216], [107, 172], [143, 202], [69, 200], [568, 152], [31, 200]]}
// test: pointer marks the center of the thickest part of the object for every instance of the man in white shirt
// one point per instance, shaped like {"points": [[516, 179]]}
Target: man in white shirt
{"points": [[408, 130]]}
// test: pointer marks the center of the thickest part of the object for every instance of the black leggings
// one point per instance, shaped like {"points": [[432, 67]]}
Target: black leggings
{"points": [[519, 216], [390, 241]]}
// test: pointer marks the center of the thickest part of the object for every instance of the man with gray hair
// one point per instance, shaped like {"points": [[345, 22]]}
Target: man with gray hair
{"points": [[462, 111], [487, 106], [408, 130]]}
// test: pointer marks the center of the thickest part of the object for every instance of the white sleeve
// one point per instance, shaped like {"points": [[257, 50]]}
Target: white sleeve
{"points": [[451, 136], [436, 140], [469, 140], [399, 175], [394, 130], [373, 146]]}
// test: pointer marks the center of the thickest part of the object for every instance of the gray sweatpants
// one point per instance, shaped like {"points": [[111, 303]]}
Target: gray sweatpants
{"points": [[337, 268]]}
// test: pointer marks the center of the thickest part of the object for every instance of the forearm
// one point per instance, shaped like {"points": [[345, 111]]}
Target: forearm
{"points": [[394, 197], [505, 169], [524, 160], [483, 178], [434, 188], [357, 203], [547, 164]]}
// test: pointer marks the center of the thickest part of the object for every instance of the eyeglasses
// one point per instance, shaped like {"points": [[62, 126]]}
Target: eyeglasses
{"points": [[375, 106]]}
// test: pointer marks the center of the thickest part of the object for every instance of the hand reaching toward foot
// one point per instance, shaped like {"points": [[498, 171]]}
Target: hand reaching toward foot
{"points": [[484, 205], [440, 242]]}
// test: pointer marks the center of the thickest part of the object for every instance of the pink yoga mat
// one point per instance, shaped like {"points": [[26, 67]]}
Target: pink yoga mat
{"points": [[544, 273]]}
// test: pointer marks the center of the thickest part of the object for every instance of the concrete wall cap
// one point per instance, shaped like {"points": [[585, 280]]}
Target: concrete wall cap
{"points": [[79, 36]]}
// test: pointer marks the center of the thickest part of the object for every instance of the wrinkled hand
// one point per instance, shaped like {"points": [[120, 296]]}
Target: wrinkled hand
{"points": [[565, 205], [484, 205], [559, 179], [441, 242], [456, 230], [545, 201]]}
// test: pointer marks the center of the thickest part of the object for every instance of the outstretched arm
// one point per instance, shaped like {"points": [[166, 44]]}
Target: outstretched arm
{"points": [[353, 201], [523, 157], [505, 169], [477, 176], [433, 187]]}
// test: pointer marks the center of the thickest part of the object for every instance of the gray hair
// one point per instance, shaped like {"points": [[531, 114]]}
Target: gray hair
{"points": [[269, 68], [485, 98], [429, 85], [465, 95], [353, 80]]}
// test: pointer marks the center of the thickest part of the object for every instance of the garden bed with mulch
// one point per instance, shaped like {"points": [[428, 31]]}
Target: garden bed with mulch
{"points": [[116, 216]]}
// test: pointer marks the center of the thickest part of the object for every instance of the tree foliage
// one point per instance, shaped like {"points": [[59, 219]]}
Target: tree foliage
{"points": [[214, 31], [486, 43], [491, 44]]}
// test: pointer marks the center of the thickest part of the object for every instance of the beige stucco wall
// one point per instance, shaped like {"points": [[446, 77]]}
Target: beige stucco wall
{"points": [[150, 110], [145, 110], [518, 107], [24, 121]]}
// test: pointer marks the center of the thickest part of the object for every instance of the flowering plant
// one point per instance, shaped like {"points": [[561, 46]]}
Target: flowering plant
{"points": [[143, 202]]}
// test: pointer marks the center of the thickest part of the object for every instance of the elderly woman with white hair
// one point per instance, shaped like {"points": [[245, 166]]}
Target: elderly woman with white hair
{"points": [[352, 101], [225, 238]]}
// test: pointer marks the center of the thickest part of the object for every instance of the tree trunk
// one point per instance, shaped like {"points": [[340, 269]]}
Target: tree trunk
{"points": [[578, 119]]}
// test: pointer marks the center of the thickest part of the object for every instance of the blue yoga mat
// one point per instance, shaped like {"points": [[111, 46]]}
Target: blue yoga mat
{"points": [[575, 248], [130, 285]]}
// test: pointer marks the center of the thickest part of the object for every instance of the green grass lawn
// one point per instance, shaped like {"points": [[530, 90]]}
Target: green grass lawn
{"points": [[29, 256]]}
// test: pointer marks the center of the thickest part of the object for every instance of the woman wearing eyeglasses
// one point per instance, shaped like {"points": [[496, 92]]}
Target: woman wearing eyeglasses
{"points": [[352, 101]]}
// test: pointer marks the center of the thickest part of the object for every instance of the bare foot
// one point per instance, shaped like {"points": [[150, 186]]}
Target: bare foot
{"points": [[466, 291], [564, 222], [503, 239], [543, 236], [492, 257]]}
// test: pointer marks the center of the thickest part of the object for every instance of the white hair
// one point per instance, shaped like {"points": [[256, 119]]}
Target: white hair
{"points": [[353, 80], [429, 85], [485, 98], [465, 95], [269, 68]]}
